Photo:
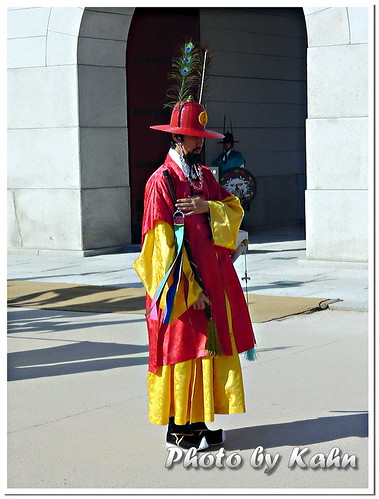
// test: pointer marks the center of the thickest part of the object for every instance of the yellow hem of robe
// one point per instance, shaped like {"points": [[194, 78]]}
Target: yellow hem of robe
{"points": [[197, 389]]}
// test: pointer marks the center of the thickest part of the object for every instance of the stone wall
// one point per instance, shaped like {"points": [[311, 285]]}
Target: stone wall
{"points": [[43, 142], [337, 134], [103, 127], [258, 78], [68, 184]]}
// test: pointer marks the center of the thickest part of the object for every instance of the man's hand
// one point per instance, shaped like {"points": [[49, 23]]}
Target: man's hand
{"points": [[193, 205], [201, 302]]}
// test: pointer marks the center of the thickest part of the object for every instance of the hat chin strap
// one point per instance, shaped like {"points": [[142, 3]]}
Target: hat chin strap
{"points": [[185, 166]]}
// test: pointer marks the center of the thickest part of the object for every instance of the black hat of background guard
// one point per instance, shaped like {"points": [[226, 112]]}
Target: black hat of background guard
{"points": [[228, 138]]}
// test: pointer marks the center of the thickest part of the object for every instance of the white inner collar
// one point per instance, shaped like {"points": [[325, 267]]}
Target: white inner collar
{"points": [[186, 169], [175, 156]]}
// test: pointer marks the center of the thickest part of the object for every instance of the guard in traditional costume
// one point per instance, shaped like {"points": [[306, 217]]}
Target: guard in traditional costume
{"points": [[229, 158], [196, 312]]}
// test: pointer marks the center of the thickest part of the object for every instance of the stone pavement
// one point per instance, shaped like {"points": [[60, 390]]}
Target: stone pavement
{"points": [[77, 397], [276, 265]]}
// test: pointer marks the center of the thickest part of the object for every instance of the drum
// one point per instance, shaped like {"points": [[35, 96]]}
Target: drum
{"points": [[239, 182]]}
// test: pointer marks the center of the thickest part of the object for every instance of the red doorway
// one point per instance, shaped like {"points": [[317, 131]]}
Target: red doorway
{"points": [[153, 37]]}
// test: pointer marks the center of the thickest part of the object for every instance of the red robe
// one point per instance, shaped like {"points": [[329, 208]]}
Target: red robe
{"points": [[185, 337]]}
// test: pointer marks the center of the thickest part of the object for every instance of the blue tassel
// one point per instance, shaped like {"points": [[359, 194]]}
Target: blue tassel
{"points": [[251, 354], [170, 297]]}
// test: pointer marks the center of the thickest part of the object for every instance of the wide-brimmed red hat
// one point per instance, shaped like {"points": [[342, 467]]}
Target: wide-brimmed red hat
{"points": [[189, 118]]}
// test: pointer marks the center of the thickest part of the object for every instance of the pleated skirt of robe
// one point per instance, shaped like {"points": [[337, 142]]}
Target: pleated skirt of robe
{"points": [[197, 389]]}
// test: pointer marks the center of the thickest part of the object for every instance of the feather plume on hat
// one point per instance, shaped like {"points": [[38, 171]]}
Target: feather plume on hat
{"points": [[188, 116], [189, 73]]}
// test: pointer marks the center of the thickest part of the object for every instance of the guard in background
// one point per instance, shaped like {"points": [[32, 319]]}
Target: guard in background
{"points": [[233, 175], [229, 158]]}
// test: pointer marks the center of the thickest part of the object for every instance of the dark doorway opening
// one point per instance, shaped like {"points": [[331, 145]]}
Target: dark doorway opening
{"points": [[153, 37]]}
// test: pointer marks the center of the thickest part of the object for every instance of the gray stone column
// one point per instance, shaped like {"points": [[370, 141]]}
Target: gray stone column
{"points": [[337, 134], [68, 182], [105, 194], [44, 205]]}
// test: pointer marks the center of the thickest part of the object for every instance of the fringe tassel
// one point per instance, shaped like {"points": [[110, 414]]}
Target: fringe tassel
{"points": [[212, 345], [251, 354]]}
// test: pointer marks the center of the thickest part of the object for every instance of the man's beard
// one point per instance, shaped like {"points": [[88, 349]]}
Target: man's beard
{"points": [[193, 158]]}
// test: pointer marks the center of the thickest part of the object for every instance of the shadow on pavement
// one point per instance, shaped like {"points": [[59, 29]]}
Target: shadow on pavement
{"points": [[103, 273], [274, 234], [298, 433], [76, 298], [74, 358], [41, 320], [277, 251]]}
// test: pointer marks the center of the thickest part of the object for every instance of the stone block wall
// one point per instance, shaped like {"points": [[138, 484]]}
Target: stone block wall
{"points": [[337, 134], [103, 127], [43, 143], [68, 179], [68, 185], [258, 78]]}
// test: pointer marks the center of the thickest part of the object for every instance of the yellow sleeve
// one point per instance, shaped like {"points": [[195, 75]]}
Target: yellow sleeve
{"points": [[225, 221], [157, 254]]}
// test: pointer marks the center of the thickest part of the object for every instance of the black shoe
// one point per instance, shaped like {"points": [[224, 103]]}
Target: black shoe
{"points": [[213, 437], [182, 436]]}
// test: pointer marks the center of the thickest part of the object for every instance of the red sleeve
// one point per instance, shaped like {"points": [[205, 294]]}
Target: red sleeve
{"points": [[157, 202]]}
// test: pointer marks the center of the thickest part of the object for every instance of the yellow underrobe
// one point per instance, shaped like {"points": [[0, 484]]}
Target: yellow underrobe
{"points": [[197, 389]]}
